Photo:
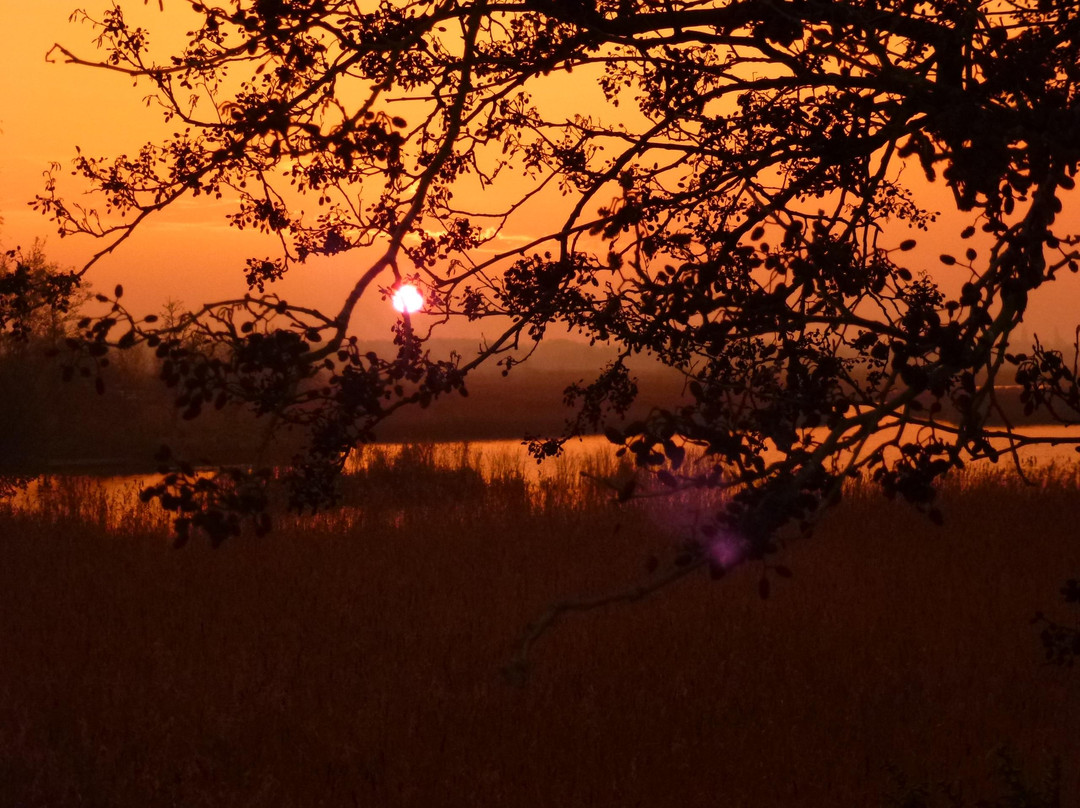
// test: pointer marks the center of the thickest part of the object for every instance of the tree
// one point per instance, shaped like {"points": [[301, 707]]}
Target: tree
{"points": [[740, 210], [37, 299], [37, 305]]}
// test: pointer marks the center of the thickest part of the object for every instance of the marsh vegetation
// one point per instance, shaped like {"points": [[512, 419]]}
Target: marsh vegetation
{"points": [[356, 657]]}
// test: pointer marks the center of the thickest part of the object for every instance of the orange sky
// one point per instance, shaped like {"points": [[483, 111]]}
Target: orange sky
{"points": [[190, 254], [46, 109]]}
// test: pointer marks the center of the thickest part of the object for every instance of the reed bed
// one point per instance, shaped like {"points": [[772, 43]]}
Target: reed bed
{"points": [[356, 657]]}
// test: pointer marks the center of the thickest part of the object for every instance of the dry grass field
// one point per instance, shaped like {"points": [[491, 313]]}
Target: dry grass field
{"points": [[355, 658]]}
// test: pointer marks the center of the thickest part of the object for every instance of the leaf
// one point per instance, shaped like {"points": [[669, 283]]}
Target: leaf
{"points": [[908, 244], [119, 291], [675, 454], [182, 526]]}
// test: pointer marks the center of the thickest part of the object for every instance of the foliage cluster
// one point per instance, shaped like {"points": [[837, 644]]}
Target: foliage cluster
{"points": [[737, 205]]}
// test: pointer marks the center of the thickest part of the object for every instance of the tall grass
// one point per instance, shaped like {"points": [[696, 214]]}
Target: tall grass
{"points": [[354, 658]]}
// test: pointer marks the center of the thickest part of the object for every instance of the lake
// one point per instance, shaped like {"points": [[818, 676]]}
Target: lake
{"points": [[110, 498]]}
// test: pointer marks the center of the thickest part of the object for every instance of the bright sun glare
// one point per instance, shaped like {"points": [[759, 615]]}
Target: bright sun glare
{"points": [[407, 299]]}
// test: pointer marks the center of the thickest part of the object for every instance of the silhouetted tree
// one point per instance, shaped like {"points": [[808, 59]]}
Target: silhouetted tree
{"points": [[37, 299], [739, 210], [38, 304]]}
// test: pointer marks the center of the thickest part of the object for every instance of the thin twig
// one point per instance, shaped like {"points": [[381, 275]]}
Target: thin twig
{"points": [[518, 668]]}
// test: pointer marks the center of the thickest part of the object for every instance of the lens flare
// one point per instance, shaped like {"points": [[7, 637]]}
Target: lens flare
{"points": [[407, 299], [728, 551]]}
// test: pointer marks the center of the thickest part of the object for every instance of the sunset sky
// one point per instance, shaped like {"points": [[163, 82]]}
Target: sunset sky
{"points": [[190, 254], [47, 109]]}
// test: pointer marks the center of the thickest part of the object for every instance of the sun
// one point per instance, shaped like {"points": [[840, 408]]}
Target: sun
{"points": [[407, 299]]}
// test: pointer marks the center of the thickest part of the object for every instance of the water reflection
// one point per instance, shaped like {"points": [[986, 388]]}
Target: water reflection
{"points": [[393, 475], [394, 478]]}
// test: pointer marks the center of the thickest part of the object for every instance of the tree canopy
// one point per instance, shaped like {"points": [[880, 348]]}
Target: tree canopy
{"points": [[746, 207]]}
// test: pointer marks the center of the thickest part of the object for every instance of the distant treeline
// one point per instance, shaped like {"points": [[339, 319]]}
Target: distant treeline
{"points": [[52, 418], [47, 423], [50, 423]]}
